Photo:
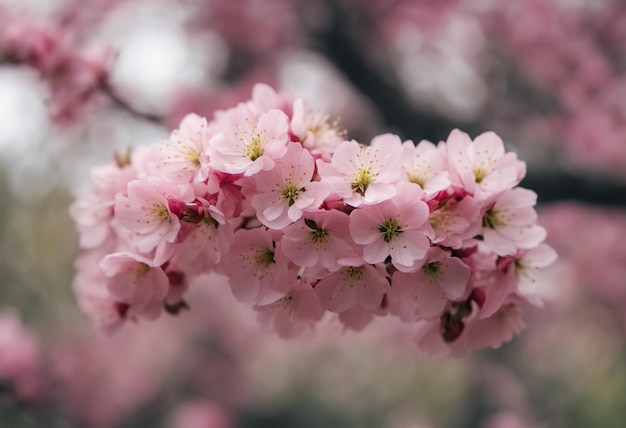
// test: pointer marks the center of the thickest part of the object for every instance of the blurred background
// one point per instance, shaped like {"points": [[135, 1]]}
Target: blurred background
{"points": [[80, 80]]}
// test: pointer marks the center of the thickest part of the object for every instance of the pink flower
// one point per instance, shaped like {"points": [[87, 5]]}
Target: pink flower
{"points": [[146, 160], [20, 360], [528, 263], [93, 211], [475, 333], [249, 143], [230, 200], [356, 318], [514, 275], [510, 223], [284, 192], [363, 285], [425, 293], [426, 165], [257, 270], [265, 98], [135, 281], [363, 174], [204, 245], [294, 314], [182, 157], [314, 131], [454, 221], [495, 330], [94, 298], [392, 228], [482, 165], [322, 237], [145, 212]]}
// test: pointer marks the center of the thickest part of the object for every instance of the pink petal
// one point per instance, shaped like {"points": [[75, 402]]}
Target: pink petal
{"points": [[454, 278]]}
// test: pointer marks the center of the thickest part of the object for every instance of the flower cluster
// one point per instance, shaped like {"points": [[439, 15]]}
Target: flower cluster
{"points": [[74, 75], [303, 222]]}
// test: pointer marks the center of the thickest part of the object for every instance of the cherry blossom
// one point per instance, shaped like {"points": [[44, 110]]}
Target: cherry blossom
{"points": [[294, 314], [482, 165], [258, 272], [93, 211], [528, 263], [497, 329], [509, 224], [90, 287], [425, 292], [204, 245], [355, 318], [249, 144], [363, 285], [265, 98], [135, 281], [515, 274], [454, 221], [145, 211], [284, 192], [392, 228], [425, 164], [322, 237], [314, 131], [182, 157], [362, 174]]}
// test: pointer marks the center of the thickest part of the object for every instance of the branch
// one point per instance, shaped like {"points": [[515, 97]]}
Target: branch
{"points": [[399, 114], [560, 185], [397, 111], [122, 104]]}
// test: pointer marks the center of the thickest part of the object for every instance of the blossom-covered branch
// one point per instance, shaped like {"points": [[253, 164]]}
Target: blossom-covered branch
{"points": [[304, 222]]}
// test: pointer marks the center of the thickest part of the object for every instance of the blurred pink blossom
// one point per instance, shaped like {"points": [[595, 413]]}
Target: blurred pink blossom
{"points": [[74, 74], [199, 414], [20, 359]]}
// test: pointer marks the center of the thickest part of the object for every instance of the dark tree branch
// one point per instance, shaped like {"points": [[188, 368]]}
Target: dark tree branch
{"points": [[336, 43], [124, 105], [397, 111], [563, 186]]}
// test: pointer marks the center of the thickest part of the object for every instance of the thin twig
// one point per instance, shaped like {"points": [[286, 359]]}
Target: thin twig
{"points": [[123, 104]]}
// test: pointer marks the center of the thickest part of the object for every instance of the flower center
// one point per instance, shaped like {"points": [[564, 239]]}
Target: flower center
{"points": [[319, 123], [318, 234], [254, 148], [209, 221], [480, 172], [417, 179], [439, 218], [142, 269], [353, 273], [160, 212], [491, 219], [192, 156], [285, 303], [390, 229], [361, 180], [432, 269], [291, 193], [264, 257]]}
